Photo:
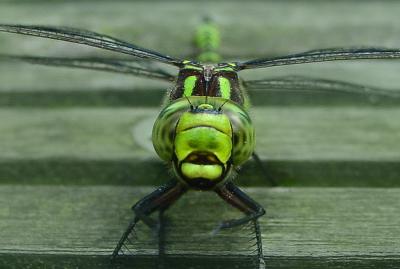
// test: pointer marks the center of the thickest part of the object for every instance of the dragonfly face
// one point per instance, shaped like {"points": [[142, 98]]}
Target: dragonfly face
{"points": [[204, 139], [203, 147]]}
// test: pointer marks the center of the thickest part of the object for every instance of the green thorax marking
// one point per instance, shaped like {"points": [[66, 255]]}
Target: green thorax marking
{"points": [[189, 84], [226, 67], [189, 65], [225, 87]]}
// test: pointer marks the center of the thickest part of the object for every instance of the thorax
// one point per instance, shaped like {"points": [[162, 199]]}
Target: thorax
{"points": [[209, 81]]}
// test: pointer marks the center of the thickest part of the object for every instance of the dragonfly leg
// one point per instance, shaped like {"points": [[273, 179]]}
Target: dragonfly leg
{"points": [[237, 198], [159, 199], [264, 170], [161, 264], [260, 255]]}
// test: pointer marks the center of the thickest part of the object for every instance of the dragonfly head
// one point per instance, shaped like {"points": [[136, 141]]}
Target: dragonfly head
{"points": [[203, 140]]}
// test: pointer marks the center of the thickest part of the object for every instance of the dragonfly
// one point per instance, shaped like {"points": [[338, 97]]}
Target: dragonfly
{"points": [[204, 131]]}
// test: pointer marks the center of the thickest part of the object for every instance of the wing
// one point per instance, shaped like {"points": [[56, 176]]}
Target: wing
{"points": [[136, 68], [322, 56], [91, 39], [300, 83]]}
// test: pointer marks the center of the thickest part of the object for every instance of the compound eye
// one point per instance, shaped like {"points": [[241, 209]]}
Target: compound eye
{"points": [[243, 136], [164, 128]]}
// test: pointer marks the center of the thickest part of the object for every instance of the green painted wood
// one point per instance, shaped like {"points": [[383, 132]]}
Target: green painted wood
{"points": [[320, 146], [318, 227]]}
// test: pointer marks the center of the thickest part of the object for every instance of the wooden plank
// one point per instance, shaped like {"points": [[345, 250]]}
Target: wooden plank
{"points": [[319, 146], [335, 133], [149, 97], [74, 226], [261, 26], [24, 85], [272, 28], [318, 227]]}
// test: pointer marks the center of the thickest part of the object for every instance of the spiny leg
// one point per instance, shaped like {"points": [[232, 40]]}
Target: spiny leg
{"points": [[161, 240], [264, 170], [237, 198], [260, 255], [160, 199]]}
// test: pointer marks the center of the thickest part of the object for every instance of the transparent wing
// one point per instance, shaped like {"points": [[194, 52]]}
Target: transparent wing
{"points": [[91, 39], [322, 56], [136, 68], [301, 83]]}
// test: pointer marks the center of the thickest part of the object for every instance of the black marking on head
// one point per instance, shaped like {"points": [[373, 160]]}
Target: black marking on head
{"points": [[207, 82]]}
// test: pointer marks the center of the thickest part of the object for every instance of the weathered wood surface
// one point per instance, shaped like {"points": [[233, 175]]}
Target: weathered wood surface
{"points": [[342, 227], [261, 29], [49, 136], [258, 28], [333, 146], [24, 85]]}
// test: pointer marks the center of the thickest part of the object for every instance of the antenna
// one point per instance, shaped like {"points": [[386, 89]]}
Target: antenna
{"points": [[191, 105], [220, 108]]}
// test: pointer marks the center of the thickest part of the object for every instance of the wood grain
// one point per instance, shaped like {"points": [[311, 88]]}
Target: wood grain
{"points": [[317, 146], [302, 225]]}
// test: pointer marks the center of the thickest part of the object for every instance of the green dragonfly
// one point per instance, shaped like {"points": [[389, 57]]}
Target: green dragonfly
{"points": [[204, 131]]}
